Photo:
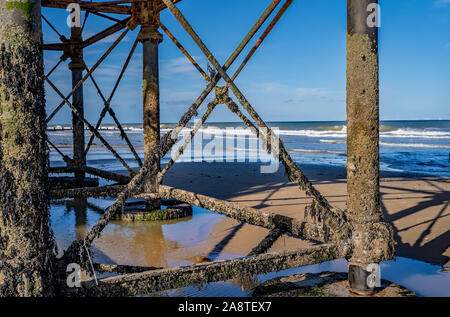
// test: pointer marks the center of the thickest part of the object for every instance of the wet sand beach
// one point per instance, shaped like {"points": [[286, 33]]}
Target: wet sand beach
{"points": [[418, 207]]}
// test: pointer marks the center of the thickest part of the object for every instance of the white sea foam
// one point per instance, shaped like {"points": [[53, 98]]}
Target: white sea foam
{"points": [[417, 145], [316, 151], [333, 141], [331, 132], [416, 133]]}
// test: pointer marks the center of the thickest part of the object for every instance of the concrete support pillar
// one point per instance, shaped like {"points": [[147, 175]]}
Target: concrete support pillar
{"points": [[26, 244], [372, 239], [76, 67], [150, 38]]}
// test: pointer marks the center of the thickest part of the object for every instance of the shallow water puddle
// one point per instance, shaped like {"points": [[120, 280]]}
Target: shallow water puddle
{"points": [[159, 243], [422, 278], [181, 242]]}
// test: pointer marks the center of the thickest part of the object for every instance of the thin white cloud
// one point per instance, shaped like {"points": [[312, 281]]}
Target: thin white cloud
{"points": [[294, 92], [296, 95], [170, 96], [180, 65], [272, 87], [441, 3], [310, 92]]}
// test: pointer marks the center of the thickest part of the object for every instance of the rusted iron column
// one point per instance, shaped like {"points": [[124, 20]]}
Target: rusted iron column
{"points": [[150, 38], [76, 67], [372, 239], [26, 244]]}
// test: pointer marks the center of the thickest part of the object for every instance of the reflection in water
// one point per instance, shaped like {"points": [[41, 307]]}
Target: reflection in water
{"points": [[152, 242], [63, 220], [156, 243], [139, 243], [422, 278], [181, 242], [80, 207], [245, 283]]}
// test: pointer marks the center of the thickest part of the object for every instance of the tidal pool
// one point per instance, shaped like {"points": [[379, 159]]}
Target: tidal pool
{"points": [[181, 242]]}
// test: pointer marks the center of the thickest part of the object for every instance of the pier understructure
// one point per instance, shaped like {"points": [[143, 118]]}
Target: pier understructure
{"points": [[359, 234]]}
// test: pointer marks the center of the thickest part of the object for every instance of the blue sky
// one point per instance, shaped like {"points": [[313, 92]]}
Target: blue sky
{"points": [[298, 74]]}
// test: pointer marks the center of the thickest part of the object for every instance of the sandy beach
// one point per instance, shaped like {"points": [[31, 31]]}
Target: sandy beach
{"points": [[417, 207]]}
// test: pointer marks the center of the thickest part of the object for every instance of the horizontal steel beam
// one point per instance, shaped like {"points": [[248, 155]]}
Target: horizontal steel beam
{"points": [[56, 46], [89, 192], [115, 7], [172, 278], [242, 213]]}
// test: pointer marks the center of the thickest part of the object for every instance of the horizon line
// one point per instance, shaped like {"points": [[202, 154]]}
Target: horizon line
{"points": [[287, 121]]}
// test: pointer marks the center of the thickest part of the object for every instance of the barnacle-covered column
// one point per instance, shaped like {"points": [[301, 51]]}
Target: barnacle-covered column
{"points": [[151, 38], [26, 244], [76, 67], [371, 237]]}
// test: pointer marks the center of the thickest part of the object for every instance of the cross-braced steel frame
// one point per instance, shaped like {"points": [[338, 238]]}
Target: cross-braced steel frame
{"points": [[334, 225]]}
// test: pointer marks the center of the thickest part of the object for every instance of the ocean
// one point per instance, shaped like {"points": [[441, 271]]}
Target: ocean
{"points": [[416, 148]]}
